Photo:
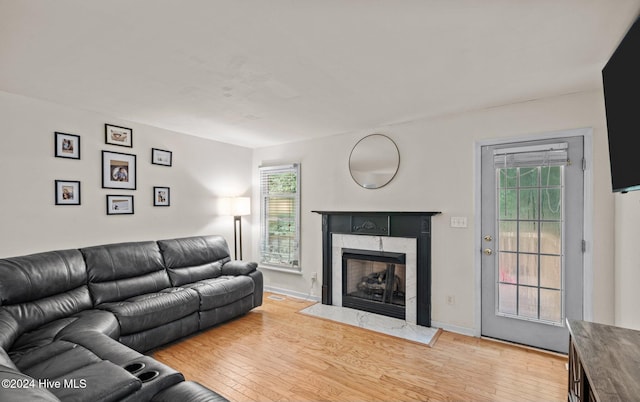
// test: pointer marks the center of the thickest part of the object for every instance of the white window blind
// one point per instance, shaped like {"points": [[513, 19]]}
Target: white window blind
{"points": [[280, 216], [538, 155]]}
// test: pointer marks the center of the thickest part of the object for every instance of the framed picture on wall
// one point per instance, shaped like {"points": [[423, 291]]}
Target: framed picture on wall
{"points": [[120, 136], [67, 192], [67, 145], [161, 196], [118, 170], [119, 204], [161, 157]]}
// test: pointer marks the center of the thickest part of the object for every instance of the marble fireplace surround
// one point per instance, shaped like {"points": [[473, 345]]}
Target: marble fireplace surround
{"points": [[403, 245], [403, 232]]}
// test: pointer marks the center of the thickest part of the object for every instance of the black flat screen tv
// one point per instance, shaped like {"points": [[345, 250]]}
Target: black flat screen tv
{"points": [[621, 82]]}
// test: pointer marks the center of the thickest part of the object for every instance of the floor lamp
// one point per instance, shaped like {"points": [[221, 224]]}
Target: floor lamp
{"points": [[239, 207]]}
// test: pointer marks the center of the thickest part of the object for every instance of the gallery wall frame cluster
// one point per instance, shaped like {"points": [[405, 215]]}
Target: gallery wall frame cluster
{"points": [[119, 171]]}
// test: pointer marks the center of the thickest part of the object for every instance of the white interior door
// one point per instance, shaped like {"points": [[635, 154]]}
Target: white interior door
{"points": [[532, 227]]}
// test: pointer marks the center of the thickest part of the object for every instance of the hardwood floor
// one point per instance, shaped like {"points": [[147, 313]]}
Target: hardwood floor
{"points": [[274, 353]]}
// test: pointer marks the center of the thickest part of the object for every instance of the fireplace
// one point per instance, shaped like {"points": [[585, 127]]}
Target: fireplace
{"points": [[402, 243], [374, 281]]}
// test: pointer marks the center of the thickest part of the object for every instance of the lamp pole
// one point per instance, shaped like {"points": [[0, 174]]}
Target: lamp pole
{"points": [[237, 230]]}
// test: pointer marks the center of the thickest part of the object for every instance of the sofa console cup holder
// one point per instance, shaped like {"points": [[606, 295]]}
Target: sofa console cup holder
{"points": [[147, 376], [135, 367]]}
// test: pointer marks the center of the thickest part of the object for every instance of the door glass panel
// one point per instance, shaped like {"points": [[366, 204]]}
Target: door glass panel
{"points": [[528, 177], [551, 236], [508, 268], [528, 302], [550, 176], [528, 204], [528, 269], [508, 236], [528, 237], [508, 178], [508, 204], [530, 224], [507, 295], [551, 271], [550, 305], [551, 203]]}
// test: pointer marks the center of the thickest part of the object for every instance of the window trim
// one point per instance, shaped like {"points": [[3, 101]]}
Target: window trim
{"points": [[295, 168]]}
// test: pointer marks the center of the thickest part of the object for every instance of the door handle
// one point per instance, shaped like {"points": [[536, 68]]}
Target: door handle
{"points": [[487, 238], [487, 251]]}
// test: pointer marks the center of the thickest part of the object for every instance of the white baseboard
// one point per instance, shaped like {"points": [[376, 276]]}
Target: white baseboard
{"points": [[454, 328], [287, 292]]}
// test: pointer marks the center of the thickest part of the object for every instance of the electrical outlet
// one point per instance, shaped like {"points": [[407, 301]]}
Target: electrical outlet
{"points": [[314, 276], [451, 300]]}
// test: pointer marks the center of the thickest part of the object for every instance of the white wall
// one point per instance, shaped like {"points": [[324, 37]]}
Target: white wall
{"points": [[627, 260], [437, 174], [202, 172]]}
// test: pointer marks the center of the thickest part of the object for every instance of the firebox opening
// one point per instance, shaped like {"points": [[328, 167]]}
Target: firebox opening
{"points": [[374, 281]]}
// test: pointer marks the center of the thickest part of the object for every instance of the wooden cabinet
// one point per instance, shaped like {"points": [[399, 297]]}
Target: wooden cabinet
{"points": [[578, 383], [604, 363]]}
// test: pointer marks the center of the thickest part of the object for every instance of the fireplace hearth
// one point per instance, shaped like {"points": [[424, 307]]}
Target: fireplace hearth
{"points": [[374, 281]]}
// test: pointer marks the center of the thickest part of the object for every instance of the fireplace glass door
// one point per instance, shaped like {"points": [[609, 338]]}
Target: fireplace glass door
{"points": [[374, 282]]}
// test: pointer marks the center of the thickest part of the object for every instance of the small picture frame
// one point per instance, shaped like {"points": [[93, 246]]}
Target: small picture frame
{"points": [[161, 196], [67, 145], [119, 204], [120, 136], [118, 170], [67, 192], [161, 157]]}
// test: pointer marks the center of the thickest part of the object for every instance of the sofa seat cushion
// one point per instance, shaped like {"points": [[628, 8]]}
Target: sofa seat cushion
{"points": [[222, 290], [88, 320], [40, 337], [25, 359], [68, 357], [151, 310]]}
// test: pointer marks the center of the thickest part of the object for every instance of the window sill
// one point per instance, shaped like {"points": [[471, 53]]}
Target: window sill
{"points": [[278, 269]]}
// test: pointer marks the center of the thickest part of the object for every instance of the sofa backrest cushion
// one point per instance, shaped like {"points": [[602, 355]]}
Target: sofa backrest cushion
{"points": [[36, 276], [119, 271], [190, 259], [39, 288]]}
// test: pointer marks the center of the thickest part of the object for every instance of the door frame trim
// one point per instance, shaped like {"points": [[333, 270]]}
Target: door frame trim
{"points": [[587, 134]]}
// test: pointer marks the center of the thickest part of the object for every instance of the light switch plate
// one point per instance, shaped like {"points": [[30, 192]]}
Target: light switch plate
{"points": [[458, 221]]}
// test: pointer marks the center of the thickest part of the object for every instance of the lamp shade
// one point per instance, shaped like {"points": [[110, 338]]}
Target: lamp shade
{"points": [[235, 206], [241, 206]]}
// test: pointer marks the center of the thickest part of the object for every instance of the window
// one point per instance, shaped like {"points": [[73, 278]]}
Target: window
{"points": [[280, 216]]}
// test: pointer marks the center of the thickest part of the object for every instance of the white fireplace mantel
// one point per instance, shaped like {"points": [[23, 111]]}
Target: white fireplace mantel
{"points": [[407, 246]]}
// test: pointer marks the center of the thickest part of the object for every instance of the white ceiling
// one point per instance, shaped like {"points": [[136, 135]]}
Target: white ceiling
{"points": [[263, 72]]}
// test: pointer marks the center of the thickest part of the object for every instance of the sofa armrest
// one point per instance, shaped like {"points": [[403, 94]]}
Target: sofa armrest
{"points": [[97, 382], [20, 387], [237, 267]]}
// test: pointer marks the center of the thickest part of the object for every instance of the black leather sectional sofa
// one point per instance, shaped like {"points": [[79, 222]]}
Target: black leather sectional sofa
{"points": [[74, 324]]}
